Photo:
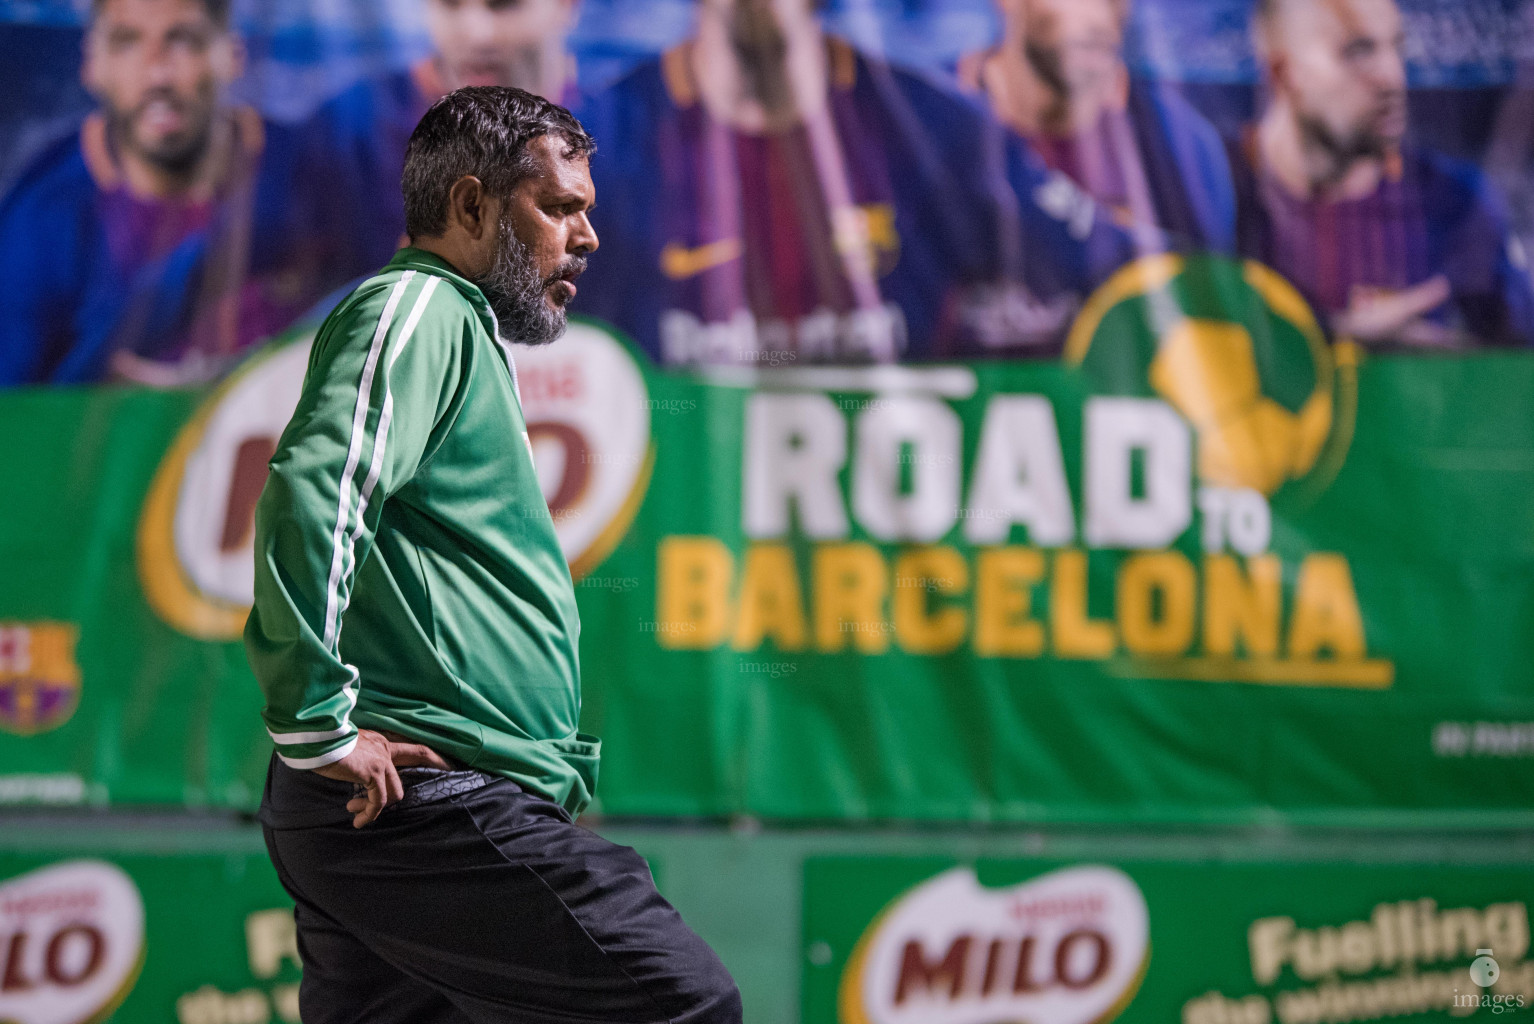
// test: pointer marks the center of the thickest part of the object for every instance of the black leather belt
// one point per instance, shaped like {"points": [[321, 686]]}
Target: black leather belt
{"points": [[429, 785]]}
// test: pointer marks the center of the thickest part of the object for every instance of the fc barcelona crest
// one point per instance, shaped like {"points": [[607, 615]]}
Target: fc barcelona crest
{"points": [[39, 677]]}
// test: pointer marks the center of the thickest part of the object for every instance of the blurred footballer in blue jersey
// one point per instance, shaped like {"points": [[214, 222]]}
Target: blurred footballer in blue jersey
{"points": [[1393, 244], [1058, 78], [363, 131], [771, 195], [165, 236]]}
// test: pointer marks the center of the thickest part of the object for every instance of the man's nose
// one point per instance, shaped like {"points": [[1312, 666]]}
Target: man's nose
{"points": [[1390, 70], [477, 24], [158, 70], [584, 238]]}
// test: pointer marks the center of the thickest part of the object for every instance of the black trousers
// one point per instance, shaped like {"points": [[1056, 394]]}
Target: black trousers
{"points": [[483, 906]]}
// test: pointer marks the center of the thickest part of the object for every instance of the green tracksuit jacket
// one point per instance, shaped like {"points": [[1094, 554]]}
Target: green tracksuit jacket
{"points": [[407, 573]]}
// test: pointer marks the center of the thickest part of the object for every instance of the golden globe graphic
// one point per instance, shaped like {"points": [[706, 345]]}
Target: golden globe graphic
{"points": [[1068, 947], [1235, 349], [588, 426], [71, 942]]}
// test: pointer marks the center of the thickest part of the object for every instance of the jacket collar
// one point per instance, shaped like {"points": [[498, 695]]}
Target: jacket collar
{"points": [[411, 258]]}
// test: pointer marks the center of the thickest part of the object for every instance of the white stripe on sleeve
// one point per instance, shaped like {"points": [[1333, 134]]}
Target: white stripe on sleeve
{"points": [[321, 761], [290, 738], [353, 456], [385, 418]]}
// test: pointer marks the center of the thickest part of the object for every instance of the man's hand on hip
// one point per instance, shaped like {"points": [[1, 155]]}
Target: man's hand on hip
{"points": [[371, 763]]}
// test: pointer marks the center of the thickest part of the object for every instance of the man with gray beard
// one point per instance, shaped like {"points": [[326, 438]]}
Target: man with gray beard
{"points": [[415, 631], [516, 289]]}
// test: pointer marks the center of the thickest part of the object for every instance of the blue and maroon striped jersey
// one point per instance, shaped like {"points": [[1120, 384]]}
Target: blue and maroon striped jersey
{"points": [[97, 270], [900, 223], [1431, 217]]}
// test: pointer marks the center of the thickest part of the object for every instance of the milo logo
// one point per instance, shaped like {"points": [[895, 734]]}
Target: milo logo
{"points": [[1070, 947], [71, 943]]}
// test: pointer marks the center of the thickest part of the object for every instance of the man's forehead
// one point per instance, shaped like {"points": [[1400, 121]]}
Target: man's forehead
{"points": [[492, 6], [131, 12], [1077, 11], [789, 7], [556, 171], [1366, 17], [1345, 19]]}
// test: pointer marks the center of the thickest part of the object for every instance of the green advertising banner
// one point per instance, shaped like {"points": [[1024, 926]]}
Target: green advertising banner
{"points": [[1209, 567], [180, 920], [890, 940], [184, 937]]}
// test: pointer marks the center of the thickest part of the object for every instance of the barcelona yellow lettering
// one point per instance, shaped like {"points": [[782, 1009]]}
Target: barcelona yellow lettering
{"points": [[851, 581], [693, 593], [770, 602], [1152, 614], [921, 574], [1004, 594], [1242, 607], [1157, 597], [1076, 634], [1326, 613]]}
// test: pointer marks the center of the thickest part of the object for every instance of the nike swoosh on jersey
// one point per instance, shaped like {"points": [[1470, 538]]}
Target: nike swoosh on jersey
{"points": [[680, 262]]}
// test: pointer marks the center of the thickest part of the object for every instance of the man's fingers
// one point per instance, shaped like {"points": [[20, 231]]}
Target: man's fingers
{"points": [[417, 755], [396, 788], [375, 803], [374, 768], [1374, 314]]}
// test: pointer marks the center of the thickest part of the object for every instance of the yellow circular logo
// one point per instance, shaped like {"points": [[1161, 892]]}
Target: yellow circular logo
{"points": [[1235, 349]]}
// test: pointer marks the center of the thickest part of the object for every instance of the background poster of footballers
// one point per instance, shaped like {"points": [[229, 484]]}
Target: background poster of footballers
{"points": [[1045, 483], [785, 181]]}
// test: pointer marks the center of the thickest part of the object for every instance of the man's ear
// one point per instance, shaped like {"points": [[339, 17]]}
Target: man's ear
{"points": [[89, 76], [229, 56], [1278, 70], [468, 206], [1269, 53]]}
